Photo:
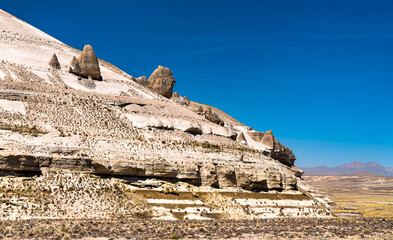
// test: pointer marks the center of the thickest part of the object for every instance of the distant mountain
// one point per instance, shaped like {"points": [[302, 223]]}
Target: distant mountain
{"points": [[354, 168], [363, 173]]}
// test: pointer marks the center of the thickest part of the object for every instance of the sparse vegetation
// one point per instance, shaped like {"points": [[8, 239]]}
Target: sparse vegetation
{"points": [[174, 237], [22, 129], [372, 228]]}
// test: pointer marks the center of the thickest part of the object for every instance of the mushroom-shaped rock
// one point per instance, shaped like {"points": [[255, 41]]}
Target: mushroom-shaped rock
{"points": [[162, 82], [54, 62], [88, 63]]}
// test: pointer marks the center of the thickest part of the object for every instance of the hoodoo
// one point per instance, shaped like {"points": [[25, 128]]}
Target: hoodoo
{"points": [[88, 64], [54, 62]]}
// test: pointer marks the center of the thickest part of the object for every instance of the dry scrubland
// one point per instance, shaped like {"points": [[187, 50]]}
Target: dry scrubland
{"points": [[84, 206], [302, 228], [367, 196]]}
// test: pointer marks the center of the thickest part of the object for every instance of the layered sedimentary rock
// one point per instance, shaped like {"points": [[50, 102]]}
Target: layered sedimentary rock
{"points": [[68, 128], [238, 174], [51, 119]]}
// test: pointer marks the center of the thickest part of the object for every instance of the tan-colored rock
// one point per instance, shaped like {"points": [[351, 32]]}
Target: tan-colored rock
{"points": [[255, 135], [54, 62], [142, 81], [283, 154], [73, 61], [268, 139], [179, 99], [162, 82], [76, 68], [226, 176], [88, 63], [241, 137]]}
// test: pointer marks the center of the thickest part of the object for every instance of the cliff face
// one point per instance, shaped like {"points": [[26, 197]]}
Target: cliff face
{"points": [[51, 119]]}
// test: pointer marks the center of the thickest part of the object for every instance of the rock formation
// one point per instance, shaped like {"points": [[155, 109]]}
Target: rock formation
{"points": [[257, 136], [179, 99], [118, 128], [73, 61], [142, 81], [240, 137], [88, 64], [279, 151], [268, 139], [54, 62], [283, 154], [162, 82]]}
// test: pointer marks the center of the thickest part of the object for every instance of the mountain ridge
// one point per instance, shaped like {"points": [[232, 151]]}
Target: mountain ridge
{"points": [[350, 169]]}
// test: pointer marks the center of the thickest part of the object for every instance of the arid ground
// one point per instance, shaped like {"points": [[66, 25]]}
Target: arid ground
{"points": [[367, 196], [302, 228], [363, 206]]}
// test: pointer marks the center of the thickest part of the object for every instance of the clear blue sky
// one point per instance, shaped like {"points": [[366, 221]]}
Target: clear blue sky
{"points": [[319, 73]]}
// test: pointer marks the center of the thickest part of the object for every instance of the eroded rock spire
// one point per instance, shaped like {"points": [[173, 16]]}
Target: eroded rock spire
{"points": [[54, 62], [88, 64]]}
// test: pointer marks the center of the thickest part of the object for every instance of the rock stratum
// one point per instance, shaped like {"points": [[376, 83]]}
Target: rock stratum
{"points": [[56, 117]]}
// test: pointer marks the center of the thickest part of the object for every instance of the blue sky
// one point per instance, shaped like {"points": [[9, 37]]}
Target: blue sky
{"points": [[319, 73]]}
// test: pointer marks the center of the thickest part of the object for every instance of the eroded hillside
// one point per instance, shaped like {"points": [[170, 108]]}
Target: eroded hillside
{"points": [[63, 110]]}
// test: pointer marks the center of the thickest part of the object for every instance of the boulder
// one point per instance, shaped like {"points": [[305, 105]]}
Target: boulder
{"points": [[54, 62], [162, 82], [88, 64]]}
